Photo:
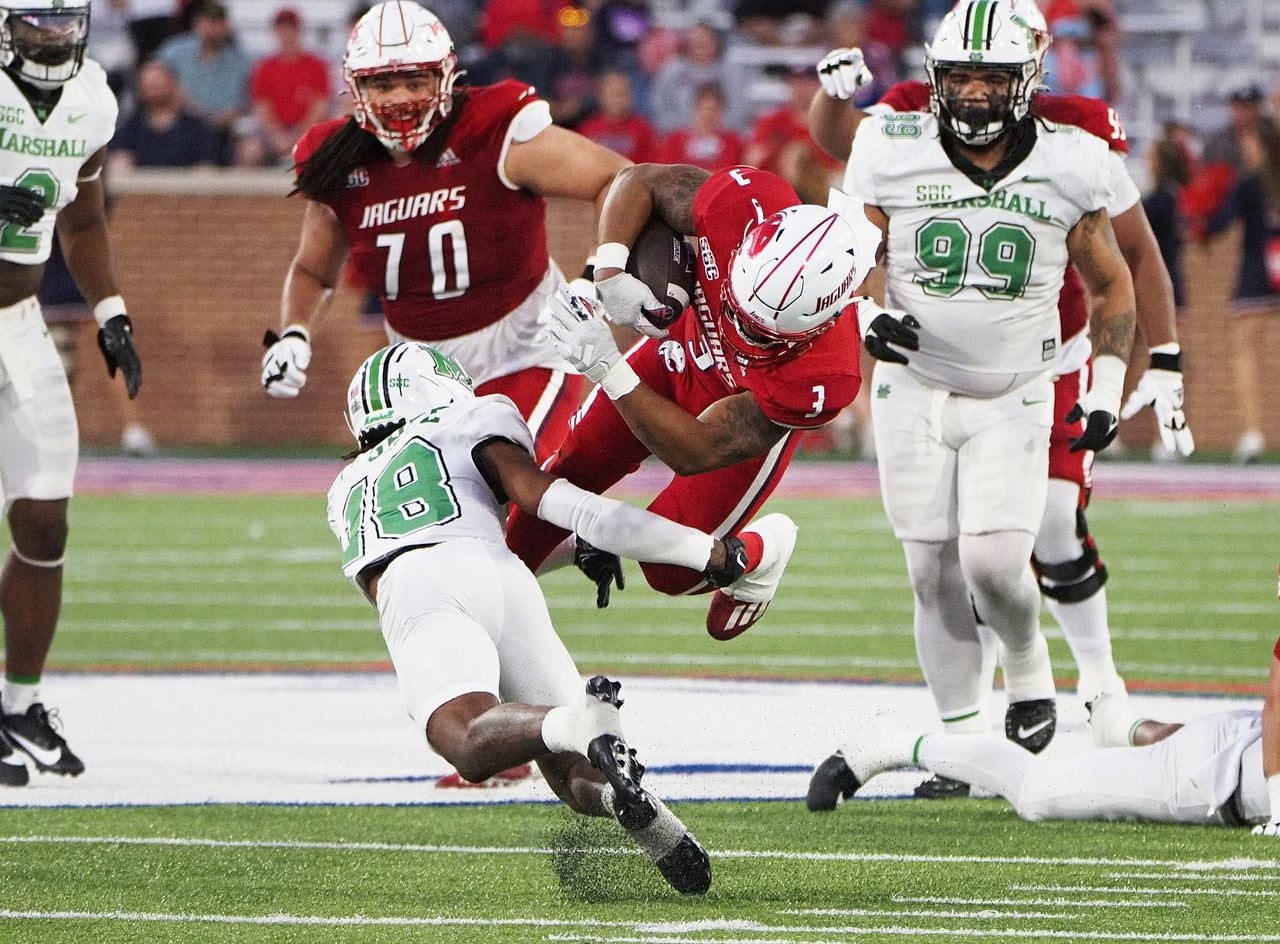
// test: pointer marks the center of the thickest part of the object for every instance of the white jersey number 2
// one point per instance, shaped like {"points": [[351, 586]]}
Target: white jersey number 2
{"points": [[447, 253]]}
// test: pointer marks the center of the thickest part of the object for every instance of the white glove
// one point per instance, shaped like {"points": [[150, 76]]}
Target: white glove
{"points": [[1160, 388], [1272, 828], [842, 72], [573, 323], [1099, 407], [626, 300], [284, 366]]}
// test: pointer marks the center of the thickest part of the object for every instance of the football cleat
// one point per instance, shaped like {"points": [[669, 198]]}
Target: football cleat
{"points": [[939, 787], [35, 733], [1112, 720], [503, 778], [13, 769], [1030, 724], [831, 784], [737, 607]]}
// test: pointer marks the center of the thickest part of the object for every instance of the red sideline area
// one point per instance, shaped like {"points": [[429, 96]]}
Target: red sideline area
{"points": [[106, 476]]}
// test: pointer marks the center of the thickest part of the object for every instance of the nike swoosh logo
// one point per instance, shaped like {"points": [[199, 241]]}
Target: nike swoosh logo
{"points": [[1024, 733], [72, 119], [35, 750], [1031, 402]]}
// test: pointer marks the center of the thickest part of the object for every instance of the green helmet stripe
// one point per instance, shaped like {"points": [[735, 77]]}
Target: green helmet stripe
{"points": [[979, 26], [373, 382]]}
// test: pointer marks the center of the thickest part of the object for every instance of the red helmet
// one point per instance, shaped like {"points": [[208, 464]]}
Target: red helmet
{"points": [[790, 277]]}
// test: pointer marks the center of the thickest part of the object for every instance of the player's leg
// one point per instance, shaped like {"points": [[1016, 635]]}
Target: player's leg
{"points": [[1002, 486], [1070, 573], [546, 398], [536, 668], [37, 465]]}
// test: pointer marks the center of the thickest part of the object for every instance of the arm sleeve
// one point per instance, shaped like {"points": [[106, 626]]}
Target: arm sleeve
{"points": [[631, 532]]}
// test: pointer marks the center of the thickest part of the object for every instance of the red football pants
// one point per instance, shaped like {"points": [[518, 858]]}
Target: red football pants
{"points": [[546, 399]]}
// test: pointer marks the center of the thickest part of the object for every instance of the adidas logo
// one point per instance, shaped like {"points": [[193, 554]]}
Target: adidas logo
{"points": [[448, 159]]}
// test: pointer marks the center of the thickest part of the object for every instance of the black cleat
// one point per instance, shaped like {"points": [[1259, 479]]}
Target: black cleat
{"points": [[832, 783], [35, 733], [1030, 724], [939, 787], [605, 690], [13, 770], [687, 867]]}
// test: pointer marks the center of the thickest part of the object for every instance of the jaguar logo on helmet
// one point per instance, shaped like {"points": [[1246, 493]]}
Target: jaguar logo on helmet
{"points": [[792, 275], [42, 42], [400, 37]]}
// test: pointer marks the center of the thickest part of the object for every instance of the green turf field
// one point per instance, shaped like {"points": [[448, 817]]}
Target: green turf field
{"points": [[226, 581], [165, 581]]}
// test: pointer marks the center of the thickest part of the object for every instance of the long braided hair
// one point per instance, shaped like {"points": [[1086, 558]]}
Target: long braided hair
{"points": [[326, 171]]}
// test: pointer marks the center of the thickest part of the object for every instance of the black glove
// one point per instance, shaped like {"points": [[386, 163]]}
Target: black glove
{"points": [[1099, 429], [601, 567], [885, 330], [21, 205], [735, 564], [115, 339]]}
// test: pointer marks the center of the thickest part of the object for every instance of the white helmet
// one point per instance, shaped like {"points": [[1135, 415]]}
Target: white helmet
{"points": [[983, 34], [399, 383], [790, 277], [43, 41], [400, 36]]}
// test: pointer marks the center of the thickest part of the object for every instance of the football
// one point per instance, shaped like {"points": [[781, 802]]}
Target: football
{"points": [[663, 260]]}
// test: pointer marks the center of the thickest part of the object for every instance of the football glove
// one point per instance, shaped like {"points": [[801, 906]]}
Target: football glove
{"points": [[21, 205], [1100, 406], [842, 72], [284, 366], [601, 567], [115, 340], [573, 323], [888, 327], [628, 302], [1160, 388]]}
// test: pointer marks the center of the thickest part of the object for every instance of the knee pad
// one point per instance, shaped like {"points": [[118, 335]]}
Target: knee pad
{"points": [[1074, 580]]}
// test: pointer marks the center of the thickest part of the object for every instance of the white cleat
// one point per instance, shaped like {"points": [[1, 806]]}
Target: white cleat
{"points": [[740, 605]]}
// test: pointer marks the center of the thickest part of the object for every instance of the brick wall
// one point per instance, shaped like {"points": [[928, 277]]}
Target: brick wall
{"points": [[202, 265]]}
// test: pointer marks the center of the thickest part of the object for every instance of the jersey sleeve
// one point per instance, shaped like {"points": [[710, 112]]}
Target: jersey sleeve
{"points": [[733, 199], [1277, 652], [905, 96], [859, 177], [809, 403], [496, 417], [1124, 192], [1088, 114]]}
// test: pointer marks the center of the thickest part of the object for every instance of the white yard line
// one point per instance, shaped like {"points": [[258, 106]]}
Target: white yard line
{"points": [[1129, 890]]}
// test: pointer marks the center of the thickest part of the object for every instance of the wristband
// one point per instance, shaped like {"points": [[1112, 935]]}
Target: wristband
{"points": [[1273, 790], [1108, 381], [297, 330], [107, 309], [1167, 357], [612, 256], [620, 380]]}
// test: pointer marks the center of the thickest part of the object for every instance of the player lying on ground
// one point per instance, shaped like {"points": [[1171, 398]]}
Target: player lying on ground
{"points": [[1222, 769], [419, 512]]}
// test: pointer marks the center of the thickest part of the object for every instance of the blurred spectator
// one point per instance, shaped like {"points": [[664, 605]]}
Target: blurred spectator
{"points": [[781, 22], [621, 25], [212, 70], [290, 91], [889, 29], [616, 125], [572, 90], [1170, 167], [1222, 160], [1254, 200], [160, 132], [1084, 58], [700, 62], [520, 37], [707, 142], [151, 22], [780, 141], [110, 44]]}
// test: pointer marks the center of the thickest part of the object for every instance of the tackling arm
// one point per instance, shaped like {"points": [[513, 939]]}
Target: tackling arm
{"points": [[832, 124]]}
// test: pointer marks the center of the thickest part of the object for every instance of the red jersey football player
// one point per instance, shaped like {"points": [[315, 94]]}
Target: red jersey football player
{"points": [[768, 349], [1066, 560], [436, 193]]}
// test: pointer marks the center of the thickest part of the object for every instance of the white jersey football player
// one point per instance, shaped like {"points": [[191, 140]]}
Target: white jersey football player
{"points": [[420, 514], [56, 116], [1221, 769], [982, 207]]}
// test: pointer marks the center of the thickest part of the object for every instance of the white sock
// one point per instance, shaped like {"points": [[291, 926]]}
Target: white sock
{"points": [[562, 731], [1084, 625], [18, 697], [971, 722], [1028, 673]]}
